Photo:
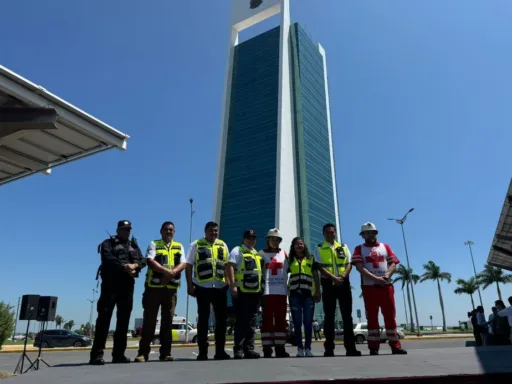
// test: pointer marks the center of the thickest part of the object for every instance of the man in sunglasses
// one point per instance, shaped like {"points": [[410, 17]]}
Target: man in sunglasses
{"points": [[121, 262], [166, 260]]}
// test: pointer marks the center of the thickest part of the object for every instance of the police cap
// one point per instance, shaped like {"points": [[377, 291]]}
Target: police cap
{"points": [[124, 224], [249, 233]]}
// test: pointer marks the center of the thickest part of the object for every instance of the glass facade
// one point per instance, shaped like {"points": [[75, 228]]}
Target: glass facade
{"points": [[249, 193]]}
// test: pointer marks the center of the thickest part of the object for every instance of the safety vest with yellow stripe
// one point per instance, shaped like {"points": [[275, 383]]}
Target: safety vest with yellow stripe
{"points": [[248, 276], [210, 261], [333, 260], [301, 275], [167, 257]]}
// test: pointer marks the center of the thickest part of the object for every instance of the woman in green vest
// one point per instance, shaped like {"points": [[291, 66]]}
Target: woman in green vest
{"points": [[304, 287]]}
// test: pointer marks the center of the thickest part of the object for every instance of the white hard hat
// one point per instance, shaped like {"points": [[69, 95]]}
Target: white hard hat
{"points": [[368, 227], [274, 232]]}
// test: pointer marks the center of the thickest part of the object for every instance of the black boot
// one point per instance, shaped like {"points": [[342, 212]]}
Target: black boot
{"points": [[97, 361], [222, 355], [374, 352], [281, 352], [267, 352], [399, 351], [120, 360], [251, 355]]}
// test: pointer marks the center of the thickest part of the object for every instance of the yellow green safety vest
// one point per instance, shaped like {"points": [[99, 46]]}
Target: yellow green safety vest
{"points": [[167, 257], [248, 277], [301, 275], [335, 261], [210, 261]]}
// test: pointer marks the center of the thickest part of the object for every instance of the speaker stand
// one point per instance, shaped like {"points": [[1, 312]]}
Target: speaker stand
{"points": [[35, 364], [19, 366]]}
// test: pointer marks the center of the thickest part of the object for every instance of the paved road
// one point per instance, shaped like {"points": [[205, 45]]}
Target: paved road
{"points": [[8, 361]]}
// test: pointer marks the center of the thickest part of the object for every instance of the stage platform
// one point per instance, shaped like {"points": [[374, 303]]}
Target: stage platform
{"points": [[418, 364]]}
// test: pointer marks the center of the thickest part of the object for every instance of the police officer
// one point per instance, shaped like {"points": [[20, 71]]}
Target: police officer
{"points": [[166, 260], [244, 278], [206, 260], [121, 262], [333, 259]]}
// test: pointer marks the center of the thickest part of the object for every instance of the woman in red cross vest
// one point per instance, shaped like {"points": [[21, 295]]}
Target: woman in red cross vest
{"points": [[273, 331], [377, 262]]}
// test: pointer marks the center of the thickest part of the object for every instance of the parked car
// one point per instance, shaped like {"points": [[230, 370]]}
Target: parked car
{"points": [[61, 338], [361, 333], [179, 328]]}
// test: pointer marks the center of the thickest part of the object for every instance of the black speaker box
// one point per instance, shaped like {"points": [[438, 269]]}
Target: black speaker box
{"points": [[47, 308], [29, 307]]}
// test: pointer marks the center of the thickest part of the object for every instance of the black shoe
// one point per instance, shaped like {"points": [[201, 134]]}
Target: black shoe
{"points": [[267, 354], [251, 355], [238, 356], [282, 355], [329, 354], [202, 357], [97, 361], [399, 351], [121, 360], [353, 352], [374, 352], [221, 356]]}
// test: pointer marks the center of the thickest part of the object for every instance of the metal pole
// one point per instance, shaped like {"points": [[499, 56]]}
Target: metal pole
{"points": [[16, 319], [470, 243], [90, 315], [190, 242], [410, 280]]}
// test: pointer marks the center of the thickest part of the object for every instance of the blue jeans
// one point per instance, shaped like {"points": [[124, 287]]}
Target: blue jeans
{"points": [[302, 307]]}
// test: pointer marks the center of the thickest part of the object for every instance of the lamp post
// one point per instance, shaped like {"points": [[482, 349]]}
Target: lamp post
{"points": [[191, 201], [16, 319], [401, 222], [470, 243], [90, 315]]}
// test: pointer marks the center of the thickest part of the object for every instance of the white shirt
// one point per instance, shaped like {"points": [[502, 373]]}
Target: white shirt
{"points": [[316, 256], [275, 272], [151, 251], [507, 312], [235, 257], [191, 259], [480, 319]]}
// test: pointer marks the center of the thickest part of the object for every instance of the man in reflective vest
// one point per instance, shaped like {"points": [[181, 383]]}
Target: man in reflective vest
{"points": [[206, 260], [333, 259], [275, 294], [377, 262], [166, 260], [244, 274]]}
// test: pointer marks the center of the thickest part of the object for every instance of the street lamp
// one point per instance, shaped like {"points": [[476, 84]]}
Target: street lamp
{"points": [[470, 243], [90, 316], [401, 222], [191, 201]]}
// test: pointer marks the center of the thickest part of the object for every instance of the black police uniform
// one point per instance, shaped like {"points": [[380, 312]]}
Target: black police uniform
{"points": [[117, 288]]}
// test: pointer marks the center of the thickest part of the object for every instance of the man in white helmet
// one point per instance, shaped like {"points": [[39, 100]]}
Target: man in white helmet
{"points": [[275, 294], [377, 262]]}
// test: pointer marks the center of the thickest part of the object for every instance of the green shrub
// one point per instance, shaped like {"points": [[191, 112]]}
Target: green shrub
{"points": [[6, 322]]}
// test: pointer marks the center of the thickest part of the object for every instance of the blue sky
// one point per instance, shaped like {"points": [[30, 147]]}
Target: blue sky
{"points": [[420, 101]]}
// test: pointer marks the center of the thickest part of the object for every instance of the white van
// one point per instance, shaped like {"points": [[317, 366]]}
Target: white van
{"points": [[179, 328]]}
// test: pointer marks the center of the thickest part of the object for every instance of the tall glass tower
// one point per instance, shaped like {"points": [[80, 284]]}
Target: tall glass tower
{"points": [[276, 163]]}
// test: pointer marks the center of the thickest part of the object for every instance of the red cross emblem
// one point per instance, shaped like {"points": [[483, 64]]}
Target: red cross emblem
{"points": [[274, 266], [374, 258]]}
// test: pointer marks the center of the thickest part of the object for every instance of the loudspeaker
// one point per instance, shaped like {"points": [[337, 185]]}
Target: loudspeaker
{"points": [[47, 308], [29, 307]]}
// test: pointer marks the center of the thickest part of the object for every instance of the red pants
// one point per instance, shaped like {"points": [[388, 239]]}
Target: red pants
{"points": [[383, 297], [273, 331]]}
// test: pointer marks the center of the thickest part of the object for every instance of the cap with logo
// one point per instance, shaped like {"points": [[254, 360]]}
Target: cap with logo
{"points": [[249, 233], [124, 224]]}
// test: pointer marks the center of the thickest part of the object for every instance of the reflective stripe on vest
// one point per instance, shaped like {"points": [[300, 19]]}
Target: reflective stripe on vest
{"points": [[248, 277], [167, 257], [210, 261], [301, 275], [335, 261]]}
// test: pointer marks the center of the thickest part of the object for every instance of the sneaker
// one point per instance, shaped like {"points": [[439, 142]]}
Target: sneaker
{"points": [[399, 351], [166, 358], [300, 352], [140, 359], [251, 355], [308, 353], [238, 356]]}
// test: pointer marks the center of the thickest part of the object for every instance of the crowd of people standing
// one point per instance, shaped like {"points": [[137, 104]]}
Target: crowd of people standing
{"points": [[497, 328]]}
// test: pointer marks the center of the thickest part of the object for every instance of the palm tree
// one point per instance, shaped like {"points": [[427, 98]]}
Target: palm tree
{"points": [[468, 287], [491, 275], [69, 325], [405, 276], [58, 321], [433, 272]]}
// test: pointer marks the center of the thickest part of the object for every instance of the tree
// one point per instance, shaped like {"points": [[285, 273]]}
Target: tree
{"points": [[469, 287], [405, 275], [59, 320], [6, 322], [69, 325], [493, 275], [433, 272]]}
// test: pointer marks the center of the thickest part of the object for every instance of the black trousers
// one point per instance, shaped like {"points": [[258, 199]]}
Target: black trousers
{"points": [[219, 300], [246, 308], [331, 295], [112, 295]]}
